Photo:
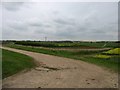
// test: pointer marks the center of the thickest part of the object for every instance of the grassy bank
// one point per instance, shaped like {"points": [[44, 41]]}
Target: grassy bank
{"points": [[87, 56], [13, 62]]}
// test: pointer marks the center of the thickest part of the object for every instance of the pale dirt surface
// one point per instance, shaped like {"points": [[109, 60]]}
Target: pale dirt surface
{"points": [[59, 72]]}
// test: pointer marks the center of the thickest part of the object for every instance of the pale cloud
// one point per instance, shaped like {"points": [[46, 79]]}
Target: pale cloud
{"points": [[60, 21]]}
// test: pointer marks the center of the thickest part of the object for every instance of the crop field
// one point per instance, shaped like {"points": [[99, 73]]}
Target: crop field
{"points": [[67, 44], [92, 52], [13, 63]]}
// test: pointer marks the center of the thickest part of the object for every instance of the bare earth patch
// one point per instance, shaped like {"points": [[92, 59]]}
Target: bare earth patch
{"points": [[59, 72]]}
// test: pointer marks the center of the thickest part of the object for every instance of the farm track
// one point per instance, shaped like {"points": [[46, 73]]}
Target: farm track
{"points": [[59, 72]]}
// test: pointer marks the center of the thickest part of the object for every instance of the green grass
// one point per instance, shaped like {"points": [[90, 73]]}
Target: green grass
{"points": [[87, 56], [109, 63], [13, 63]]}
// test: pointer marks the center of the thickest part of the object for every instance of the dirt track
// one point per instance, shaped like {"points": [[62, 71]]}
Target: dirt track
{"points": [[59, 72]]}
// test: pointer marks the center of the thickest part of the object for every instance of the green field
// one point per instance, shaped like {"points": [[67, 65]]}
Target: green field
{"points": [[95, 57], [72, 44], [13, 63]]}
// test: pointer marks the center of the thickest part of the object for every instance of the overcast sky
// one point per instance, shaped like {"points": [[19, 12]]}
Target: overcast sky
{"points": [[60, 20]]}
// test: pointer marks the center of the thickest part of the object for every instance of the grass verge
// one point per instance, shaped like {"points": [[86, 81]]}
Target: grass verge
{"points": [[13, 63]]}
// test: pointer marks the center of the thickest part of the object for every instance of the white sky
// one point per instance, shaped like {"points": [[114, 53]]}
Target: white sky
{"points": [[60, 20]]}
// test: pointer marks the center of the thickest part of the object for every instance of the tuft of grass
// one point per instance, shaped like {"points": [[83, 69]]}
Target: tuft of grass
{"points": [[13, 63]]}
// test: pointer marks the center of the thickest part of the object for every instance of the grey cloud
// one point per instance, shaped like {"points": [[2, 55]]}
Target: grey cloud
{"points": [[12, 6], [39, 24], [47, 25], [102, 37], [74, 21], [36, 24], [17, 25], [70, 31], [99, 32], [64, 21]]}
